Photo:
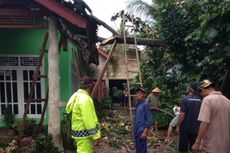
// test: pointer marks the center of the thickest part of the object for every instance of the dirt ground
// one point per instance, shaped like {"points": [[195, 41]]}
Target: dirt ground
{"points": [[128, 146], [117, 137]]}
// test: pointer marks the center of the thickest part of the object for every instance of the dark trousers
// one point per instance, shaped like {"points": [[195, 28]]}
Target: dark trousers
{"points": [[141, 144], [186, 141]]}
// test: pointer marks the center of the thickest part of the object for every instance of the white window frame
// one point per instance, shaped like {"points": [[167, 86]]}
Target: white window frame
{"points": [[19, 70]]}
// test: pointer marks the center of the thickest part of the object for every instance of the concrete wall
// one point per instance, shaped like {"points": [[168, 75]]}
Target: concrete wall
{"points": [[29, 42], [116, 68]]}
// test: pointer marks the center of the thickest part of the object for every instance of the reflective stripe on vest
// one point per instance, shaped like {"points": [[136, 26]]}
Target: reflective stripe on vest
{"points": [[85, 133]]}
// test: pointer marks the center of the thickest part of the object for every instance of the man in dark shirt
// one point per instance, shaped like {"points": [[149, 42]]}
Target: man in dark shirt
{"points": [[143, 121], [188, 124], [80, 7]]}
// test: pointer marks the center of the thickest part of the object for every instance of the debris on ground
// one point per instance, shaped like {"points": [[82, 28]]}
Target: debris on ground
{"points": [[117, 136]]}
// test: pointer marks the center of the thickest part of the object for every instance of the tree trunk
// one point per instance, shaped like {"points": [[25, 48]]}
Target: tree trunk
{"points": [[140, 41], [54, 85]]}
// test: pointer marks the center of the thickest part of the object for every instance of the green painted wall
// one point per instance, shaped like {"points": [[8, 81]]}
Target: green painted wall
{"points": [[29, 42]]}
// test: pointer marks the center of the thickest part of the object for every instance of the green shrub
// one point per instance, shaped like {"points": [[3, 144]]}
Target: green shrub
{"points": [[8, 117], [44, 144], [66, 132]]}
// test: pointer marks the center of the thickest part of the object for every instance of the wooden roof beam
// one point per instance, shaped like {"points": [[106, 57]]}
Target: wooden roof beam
{"points": [[64, 12], [7, 2], [140, 41], [17, 12], [23, 26]]}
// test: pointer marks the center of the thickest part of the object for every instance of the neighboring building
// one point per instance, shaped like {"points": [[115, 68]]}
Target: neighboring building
{"points": [[116, 73]]}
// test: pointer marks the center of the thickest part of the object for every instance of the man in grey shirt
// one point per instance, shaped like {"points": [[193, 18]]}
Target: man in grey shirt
{"points": [[154, 102]]}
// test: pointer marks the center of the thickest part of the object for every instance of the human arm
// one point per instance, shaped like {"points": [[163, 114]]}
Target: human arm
{"points": [[181, 119], [144, 134], [148, 121], [182, 115], [69, 105], [202, 131], [89, 116], [204, 117]]}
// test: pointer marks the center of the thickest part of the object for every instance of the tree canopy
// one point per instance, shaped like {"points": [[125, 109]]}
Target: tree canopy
{"points": [[197, 34]]}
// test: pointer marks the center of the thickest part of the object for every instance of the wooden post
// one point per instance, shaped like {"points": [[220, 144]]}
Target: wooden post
{"points": [[54, 126], [103, 69]]}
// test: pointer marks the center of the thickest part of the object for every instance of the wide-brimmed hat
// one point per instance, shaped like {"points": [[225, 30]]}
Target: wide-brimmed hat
{"points": [[141, 89], [156, 90], [205, 83]]}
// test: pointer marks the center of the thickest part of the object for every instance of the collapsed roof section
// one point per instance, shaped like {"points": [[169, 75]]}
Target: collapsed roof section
{"points": [[78, 28], [81, 30]]}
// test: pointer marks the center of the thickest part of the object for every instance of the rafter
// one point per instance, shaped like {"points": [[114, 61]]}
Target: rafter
{"points": [[18, 12], [65, 13]]}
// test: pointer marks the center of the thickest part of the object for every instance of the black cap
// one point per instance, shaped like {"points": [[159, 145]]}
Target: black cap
{"points": [[85, 82], [141, 89]]}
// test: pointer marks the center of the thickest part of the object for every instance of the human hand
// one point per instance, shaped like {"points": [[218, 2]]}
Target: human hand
{"points": [[143, 135], [195, 148]]}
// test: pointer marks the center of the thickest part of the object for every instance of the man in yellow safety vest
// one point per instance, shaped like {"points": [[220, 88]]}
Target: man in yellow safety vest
{"points": [[84, 123]]}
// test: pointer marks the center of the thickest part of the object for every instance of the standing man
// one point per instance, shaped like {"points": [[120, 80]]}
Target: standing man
{"points": [[126, 97], [84, 123], [154, 101], [188, 124], [143, 121], [215, 121], [153, 98]]}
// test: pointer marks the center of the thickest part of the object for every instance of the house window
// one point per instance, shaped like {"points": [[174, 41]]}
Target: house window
{"points": [[8, 90], [16, 75]]}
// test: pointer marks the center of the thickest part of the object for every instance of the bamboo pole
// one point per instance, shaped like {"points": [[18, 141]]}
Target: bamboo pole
{"points": [[103, 69]]}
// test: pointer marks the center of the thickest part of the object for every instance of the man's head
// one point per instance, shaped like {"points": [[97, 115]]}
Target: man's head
{"points": [[206, 87], [141, 93], [156, 91], [86, 83], [192, 88]]}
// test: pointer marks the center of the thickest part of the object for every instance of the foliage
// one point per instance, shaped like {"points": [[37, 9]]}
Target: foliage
{"points": [[30, 128], [44, 144], [66, 132], [102, 106], [143, 29], [117, 93], [115, 144], [197, 34], [197, 37], [8, 117]]}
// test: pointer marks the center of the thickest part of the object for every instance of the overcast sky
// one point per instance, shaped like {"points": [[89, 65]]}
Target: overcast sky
{"points": [[104, 10]]}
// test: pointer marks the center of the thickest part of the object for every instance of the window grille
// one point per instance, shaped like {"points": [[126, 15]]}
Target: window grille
{"points": [[8, 61], [29, 61]]}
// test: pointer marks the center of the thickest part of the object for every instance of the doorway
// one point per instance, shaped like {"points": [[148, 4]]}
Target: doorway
{"points": [[116, 88]]}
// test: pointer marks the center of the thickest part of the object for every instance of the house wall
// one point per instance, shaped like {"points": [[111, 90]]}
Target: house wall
{"points": [[29, 42], [115, 74], [117, 67]]}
